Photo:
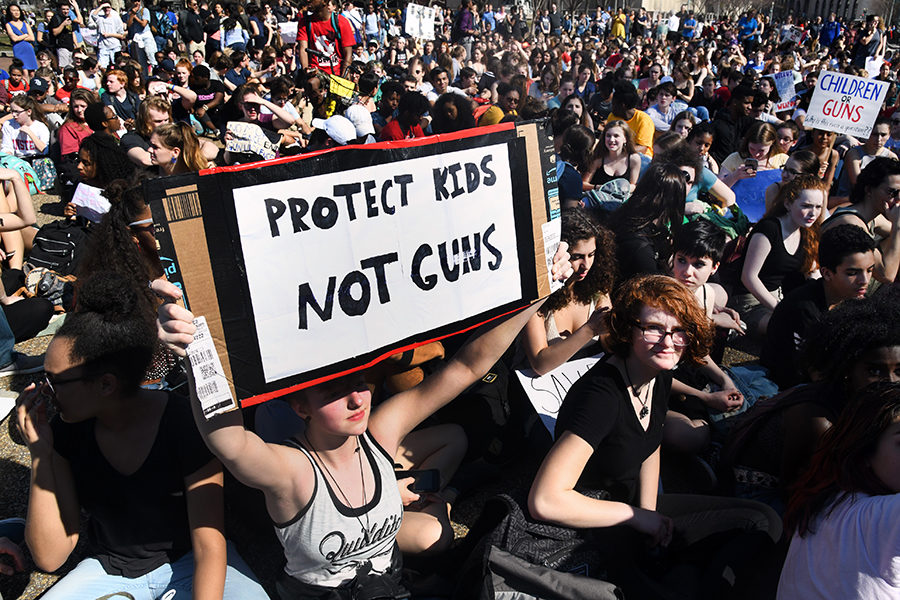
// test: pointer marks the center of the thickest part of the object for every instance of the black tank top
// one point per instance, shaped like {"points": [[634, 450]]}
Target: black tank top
{"points": [[600, 176]]}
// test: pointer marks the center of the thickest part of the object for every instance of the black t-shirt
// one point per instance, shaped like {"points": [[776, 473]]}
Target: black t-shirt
{"points": [[65, 38], [133, 140], [136, 522], [793, 320], [643, 252], [125, 109], [780, 269], [208, 94], [599, 410]]}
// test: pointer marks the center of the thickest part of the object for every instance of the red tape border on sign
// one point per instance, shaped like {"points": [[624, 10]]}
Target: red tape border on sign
{"points": [[423, 141], [260, 398]]}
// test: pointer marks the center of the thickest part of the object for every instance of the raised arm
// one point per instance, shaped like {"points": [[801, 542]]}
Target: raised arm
{"points": [[266, 467], [403, 412]]}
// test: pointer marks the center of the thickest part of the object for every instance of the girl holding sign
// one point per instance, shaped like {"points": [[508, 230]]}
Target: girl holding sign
{"points": [[332, 494]]}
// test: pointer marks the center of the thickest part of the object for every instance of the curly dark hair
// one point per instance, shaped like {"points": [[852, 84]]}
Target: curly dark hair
{"points": [[442, 123], [109, 331], [844, 334], [112, 246], [664, 293], [872, 176], [111, 162], [577, 226]]}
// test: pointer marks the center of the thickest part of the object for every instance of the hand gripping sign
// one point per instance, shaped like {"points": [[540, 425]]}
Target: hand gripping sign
{"points": [[845, 104], [310, 267]]}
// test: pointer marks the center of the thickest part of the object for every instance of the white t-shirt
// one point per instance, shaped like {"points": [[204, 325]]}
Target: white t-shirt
{"points": [[19, 143], [853, 554]]}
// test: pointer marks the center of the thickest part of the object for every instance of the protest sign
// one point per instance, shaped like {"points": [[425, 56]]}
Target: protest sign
{"points": [[288, 32], [89, 202], [873, 65], [845, 104], [547, 392], [793, 34], [310, 267], [420, 21], [784, 83]]}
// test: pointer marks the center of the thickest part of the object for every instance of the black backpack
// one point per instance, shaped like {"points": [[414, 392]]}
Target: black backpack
{"points": [[58, 246], [522, 558]]}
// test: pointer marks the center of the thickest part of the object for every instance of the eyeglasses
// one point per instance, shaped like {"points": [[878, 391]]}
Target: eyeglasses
{"points": [[794, 172], [892, 192], [687, 177], [51, 384], [654, 334], [251, 106]]}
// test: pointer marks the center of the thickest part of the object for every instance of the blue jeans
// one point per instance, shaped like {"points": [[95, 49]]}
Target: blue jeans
{"points": [[171, 581]]}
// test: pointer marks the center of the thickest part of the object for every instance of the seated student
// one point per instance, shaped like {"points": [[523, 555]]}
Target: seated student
{"points": [[210, 98], [801, 162], [347, 449], [608, 435], [642, 224], [852, 346], [128, 457], [874, 205], [573, 158], [844, 514], [701, 182], [412, 107], [666, 108], [781, 251], [788, 136], [858, 158], [701, 137], [120, 98], [624, 108], [25, 132], [758, 144], [846, 261], [573, 316], [696, 253], [822, 145], [391, 91], [615, 159]]}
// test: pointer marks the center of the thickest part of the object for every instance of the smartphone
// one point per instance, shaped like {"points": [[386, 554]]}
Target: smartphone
{"points": [[426, 481], [751, 163]]}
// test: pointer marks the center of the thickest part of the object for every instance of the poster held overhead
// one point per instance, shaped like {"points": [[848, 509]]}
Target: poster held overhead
{"points": [[845, 104], [315, 266]]}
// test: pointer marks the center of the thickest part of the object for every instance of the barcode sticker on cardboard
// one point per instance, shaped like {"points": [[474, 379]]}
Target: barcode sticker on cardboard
{"points": [[212, 387]]}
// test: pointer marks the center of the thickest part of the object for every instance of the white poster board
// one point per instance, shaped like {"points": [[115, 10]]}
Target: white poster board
{"points": [[793, 34], [845, 104], [391, 238], [89, 202], [784, 83], [873, 65], [420, 21], [288, 32], [547, 392]]}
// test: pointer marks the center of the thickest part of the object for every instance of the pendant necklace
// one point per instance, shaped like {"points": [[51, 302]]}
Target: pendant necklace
{"points": [[362, 478], [644, 410]]}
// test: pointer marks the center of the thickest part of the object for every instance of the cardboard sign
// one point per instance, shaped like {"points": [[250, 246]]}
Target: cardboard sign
{"points": [[288, 32], [420, 21], [793, 34], [784, 83], [547, 392], [311, 267], [845, 104]]}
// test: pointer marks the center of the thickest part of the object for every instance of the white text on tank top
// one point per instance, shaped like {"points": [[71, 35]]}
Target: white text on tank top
{"points": [[329, 542]]}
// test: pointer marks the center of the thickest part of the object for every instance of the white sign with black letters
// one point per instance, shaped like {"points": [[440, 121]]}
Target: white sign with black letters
{"points": [[382, 253]]}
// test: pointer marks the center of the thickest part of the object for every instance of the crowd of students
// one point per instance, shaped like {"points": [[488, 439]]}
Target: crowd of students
{"points": [[696, 209]]}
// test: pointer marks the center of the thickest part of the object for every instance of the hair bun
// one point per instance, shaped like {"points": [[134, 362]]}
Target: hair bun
{"points": [[110, 295]]}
